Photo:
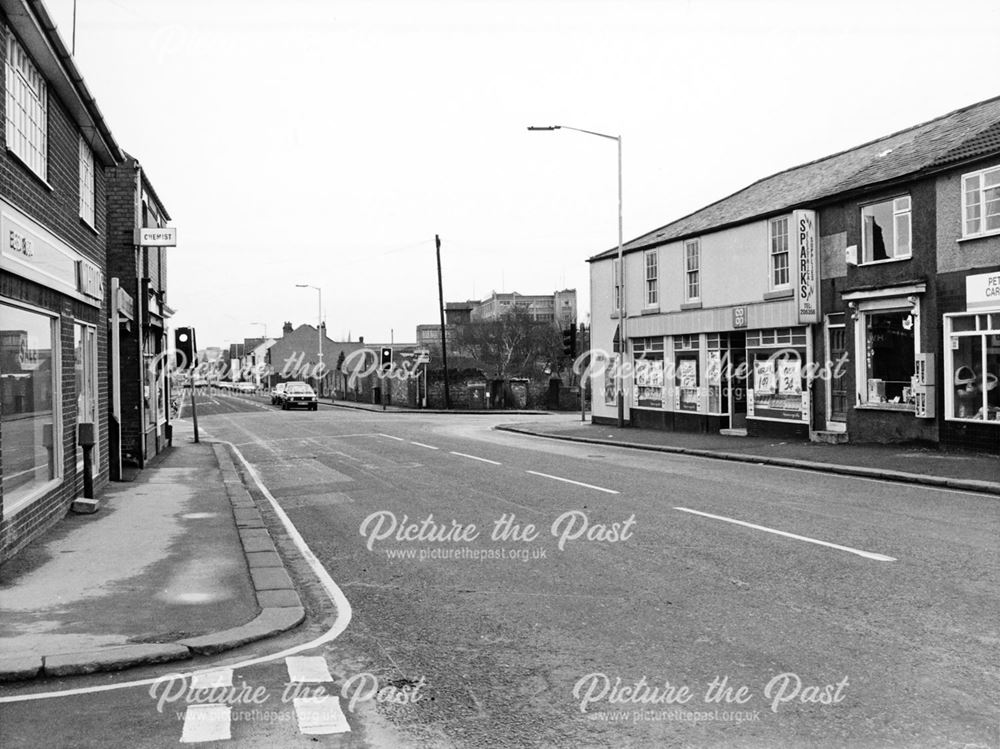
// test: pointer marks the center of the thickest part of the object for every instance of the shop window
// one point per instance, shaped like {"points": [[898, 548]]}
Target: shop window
{"points": [[647, 365], [778, 230], [27, 109], [886, 230], [972, 367], [981, 202], [652, 287], [29, 410], [85, 370], [888, 364], [611, 380], [692, 270], [776, 390]]}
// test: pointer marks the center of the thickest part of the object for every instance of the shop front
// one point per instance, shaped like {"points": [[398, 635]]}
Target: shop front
{"points": [[50, 313], [972, 366]]}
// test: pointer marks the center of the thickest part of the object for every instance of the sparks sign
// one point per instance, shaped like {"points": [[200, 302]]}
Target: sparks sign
{"points": [[807, 266]]}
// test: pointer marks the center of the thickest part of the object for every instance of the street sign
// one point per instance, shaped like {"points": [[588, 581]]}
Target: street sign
{"points": [[156, 237]]}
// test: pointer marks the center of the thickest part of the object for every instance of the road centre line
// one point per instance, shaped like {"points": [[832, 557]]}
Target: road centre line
{"points": [[571, 481], [398, 439], [421, 444], [866, 554], [473, 457]]}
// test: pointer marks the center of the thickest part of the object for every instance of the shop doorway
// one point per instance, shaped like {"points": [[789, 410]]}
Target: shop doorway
{"points": [[836, 389], [736, 380]]}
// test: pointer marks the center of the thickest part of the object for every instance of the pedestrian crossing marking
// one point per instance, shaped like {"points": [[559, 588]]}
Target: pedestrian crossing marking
{"points": [[222, 677], [320, 715], [308, 669], [206, 723]]}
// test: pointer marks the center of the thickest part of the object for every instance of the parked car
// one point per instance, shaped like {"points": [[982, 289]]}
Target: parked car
{"points": [[298, 394], [278, 393]]}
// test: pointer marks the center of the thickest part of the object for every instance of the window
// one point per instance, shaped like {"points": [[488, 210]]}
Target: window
{"points": [[887, 366], [972, 367], [647, 363], [86, 183], [779, 253], [886, 230], [687, 395], [27, 109], [981, 202], [692, 268], [651, 285], [616, 281], [29, 409]]}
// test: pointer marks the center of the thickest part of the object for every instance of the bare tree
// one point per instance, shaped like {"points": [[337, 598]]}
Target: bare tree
{"points": [[512, 345]]}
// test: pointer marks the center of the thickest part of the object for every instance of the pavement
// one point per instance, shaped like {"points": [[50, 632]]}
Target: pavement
{"points": [[979, 472], [176, 563]]}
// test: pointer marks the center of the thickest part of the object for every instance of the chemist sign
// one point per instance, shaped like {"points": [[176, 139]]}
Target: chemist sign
{"points": [[806, 269], [982, 291], [151, 236]]}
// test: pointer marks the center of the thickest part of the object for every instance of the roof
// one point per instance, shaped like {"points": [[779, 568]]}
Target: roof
{"points": [[38, 33], [967, 133]]}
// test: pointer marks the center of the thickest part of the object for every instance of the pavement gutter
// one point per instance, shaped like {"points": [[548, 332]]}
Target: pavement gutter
{"points": [[281, 608], [982, 487]]}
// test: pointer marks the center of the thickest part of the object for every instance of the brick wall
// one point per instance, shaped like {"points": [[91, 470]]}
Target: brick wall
{"points": [[55, 203]]}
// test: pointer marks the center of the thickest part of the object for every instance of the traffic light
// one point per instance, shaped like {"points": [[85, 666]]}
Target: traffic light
{"points": [[385, 360], [184, 345], [569, 342]]}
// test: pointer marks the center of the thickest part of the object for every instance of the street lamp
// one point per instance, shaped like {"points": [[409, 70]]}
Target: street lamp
{"points": [[319, 330], [621, 266]]}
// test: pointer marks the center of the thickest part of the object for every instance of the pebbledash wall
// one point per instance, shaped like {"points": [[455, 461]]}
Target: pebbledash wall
{"points": [[53, 332]]}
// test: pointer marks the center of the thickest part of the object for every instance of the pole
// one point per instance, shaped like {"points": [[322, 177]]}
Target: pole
{"points": [[444, 345], [319, 330], [194, 409], [623, 342], [74, 29]]}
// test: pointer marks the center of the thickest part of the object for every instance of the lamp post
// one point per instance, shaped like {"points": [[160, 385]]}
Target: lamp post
{"points": [[621, 266], [319, 331]]}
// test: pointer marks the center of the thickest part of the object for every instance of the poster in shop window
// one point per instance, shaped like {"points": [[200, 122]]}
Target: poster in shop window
{"points": [[687, 384], [649, 382], [777, 391]]}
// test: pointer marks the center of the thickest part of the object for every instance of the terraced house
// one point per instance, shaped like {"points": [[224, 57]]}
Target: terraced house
{"points": [[853, 298]]}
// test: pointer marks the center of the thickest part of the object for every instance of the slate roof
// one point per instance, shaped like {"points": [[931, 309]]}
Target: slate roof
{"points": [[966, 133]]}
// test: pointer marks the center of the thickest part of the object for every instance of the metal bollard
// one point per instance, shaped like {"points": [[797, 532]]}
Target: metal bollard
{"points": [[87, 438]]}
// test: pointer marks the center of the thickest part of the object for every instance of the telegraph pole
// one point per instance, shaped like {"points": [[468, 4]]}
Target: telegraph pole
{"points": [[444, 345]]}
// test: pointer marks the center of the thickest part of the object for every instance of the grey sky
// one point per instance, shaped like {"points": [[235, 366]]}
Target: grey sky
{"points": [[327, 142]]}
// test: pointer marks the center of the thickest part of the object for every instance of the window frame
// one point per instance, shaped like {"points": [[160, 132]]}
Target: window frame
{"points": [[773, 256], [692, 275], [652, 288], [980, 175], [18, 69], [88, 184], [878, 306], [896, 214]]}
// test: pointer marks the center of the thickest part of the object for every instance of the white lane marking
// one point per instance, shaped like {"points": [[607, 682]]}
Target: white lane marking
{"points": [[211, 679], [398, 439], [571, 481], [320, 715], [848, 549], [206, 723], [473, 457], [308, 668], [341, 605], [421, 444]]}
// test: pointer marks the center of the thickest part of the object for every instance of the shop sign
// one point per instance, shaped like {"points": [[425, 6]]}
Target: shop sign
{"points": [[156, 236], [807, 266], [982, 291], [89, 279], [739, 317], [125, 303], [30, 253]]}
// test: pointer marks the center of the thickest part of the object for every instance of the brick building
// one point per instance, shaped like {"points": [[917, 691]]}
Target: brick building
{"points": [[53, 307], [139, 387]]}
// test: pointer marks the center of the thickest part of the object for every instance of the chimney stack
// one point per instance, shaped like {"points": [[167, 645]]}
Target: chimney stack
{"points": [[286, 328]]}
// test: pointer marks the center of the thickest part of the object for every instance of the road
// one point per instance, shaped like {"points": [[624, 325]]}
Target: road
{"points": [[509, 591]]}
